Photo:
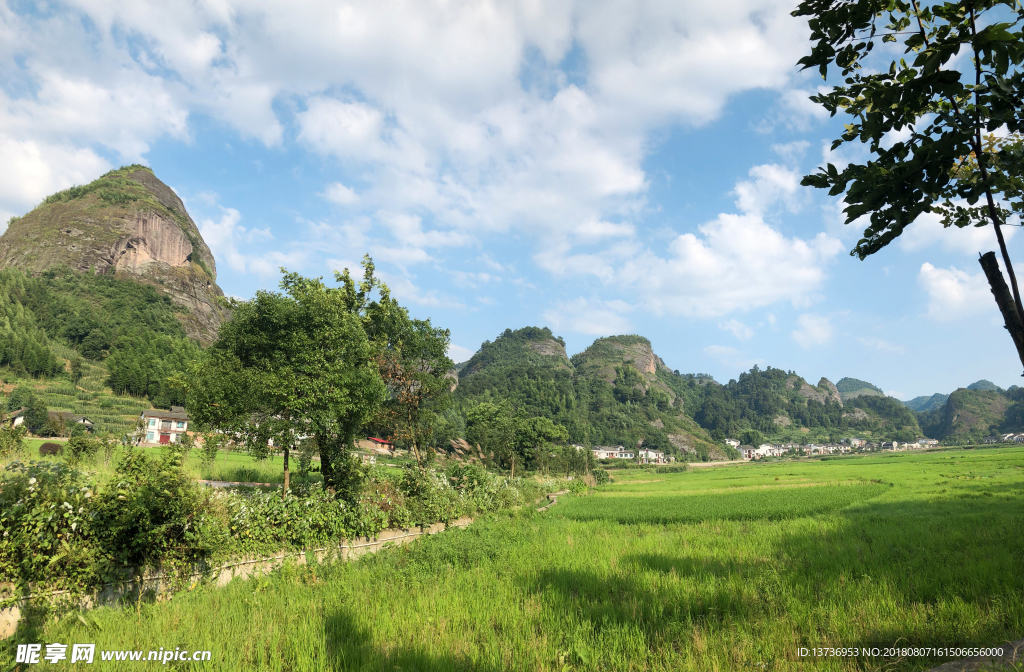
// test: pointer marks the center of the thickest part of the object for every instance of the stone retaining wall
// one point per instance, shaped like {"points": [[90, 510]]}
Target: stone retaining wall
{"points": [[162, 586]]}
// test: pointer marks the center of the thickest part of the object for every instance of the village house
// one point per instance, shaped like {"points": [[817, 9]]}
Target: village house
{"points": [[71, 419], [927, 442], [652, 457], [748, 452], [612, 453], [165, 426], [732, 442], [18, 417]]}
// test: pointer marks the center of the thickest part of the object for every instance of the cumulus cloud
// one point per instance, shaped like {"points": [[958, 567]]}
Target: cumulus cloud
{"points": [[340, 194], [812, 330], [591, 317], [770, 184], [225, 237], [737, 262], [462, 114], [927, 231], [954, 294], [458, 354], [738, 329]]}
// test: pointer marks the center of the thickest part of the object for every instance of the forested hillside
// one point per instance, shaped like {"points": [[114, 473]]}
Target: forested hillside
{"points": [[59, 320], [614, 393]]}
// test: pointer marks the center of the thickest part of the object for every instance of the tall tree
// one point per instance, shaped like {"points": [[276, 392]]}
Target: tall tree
{"points": [[293, 364], [414, 364], [936, 111]]}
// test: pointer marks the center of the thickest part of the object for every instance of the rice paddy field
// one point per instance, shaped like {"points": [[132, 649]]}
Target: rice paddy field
{"points": [[729, 568]]}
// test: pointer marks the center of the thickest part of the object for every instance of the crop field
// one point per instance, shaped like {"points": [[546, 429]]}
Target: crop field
{"points": [[719, 569]]}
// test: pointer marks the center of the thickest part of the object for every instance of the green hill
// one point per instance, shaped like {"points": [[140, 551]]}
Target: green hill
{"points": [[925, 404], [984, 386], [851, 387], [616, 392]]}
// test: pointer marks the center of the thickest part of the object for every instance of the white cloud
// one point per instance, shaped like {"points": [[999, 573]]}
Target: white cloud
{"points": [[343, 129], [812, 330], [340, 194], [457, 113], [771, 184], [927, 231], [457, 353], [591, 317], [738, 329], [225, 236], [954, 294], [730, 356], [32, 170], [738, 262], [880, 344]]}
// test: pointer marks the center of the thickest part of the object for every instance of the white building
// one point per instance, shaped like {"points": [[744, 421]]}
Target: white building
{"points": [[612, 453], [165, 426], [732, 442], [652, 457]]}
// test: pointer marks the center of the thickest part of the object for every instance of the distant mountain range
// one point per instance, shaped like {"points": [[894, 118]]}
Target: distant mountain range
{"points": [[619, 392]]}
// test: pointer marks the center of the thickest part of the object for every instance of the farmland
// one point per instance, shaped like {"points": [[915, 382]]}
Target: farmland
{"points": [[727, 568]]}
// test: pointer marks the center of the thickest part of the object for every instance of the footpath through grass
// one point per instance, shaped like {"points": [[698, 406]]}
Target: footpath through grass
{"points": [[903, 549]]}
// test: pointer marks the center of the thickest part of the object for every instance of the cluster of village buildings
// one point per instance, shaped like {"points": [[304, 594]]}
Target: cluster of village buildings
{"points": [[169, 426], [844, 446]]}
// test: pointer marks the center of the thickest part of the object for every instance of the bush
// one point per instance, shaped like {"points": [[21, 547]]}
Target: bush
{"points": [[601, 476], [153, 512], [50, 448], [81, 447], [44, 524]]}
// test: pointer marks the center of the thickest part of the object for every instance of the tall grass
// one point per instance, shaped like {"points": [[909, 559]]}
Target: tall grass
{"points": [[937, 559]]}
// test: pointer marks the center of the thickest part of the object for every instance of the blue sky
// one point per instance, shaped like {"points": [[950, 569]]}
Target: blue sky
{"points": [[596, 167]]}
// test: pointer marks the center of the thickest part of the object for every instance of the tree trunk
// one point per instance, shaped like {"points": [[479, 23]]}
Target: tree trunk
{"points": [[285, 491], [1005, 301]]}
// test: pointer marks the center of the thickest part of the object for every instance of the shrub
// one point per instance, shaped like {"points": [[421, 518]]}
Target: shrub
{"points": [[153, 512], [50, 448], [81, 447], [44, 523], [600, 476], [12, 439]]}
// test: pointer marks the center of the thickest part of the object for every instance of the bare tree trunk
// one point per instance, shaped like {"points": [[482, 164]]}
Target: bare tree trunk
{"points": [[286, 474], [1005, 301]]}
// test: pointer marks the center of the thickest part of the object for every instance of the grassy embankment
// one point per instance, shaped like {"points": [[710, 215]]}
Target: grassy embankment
{"points": [[920, 549]]}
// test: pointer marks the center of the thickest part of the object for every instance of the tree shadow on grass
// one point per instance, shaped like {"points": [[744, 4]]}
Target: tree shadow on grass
{"points": [[351, 647], [951, 569]]}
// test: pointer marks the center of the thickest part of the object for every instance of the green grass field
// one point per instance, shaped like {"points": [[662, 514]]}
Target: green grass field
{"points": [[728, 568]]}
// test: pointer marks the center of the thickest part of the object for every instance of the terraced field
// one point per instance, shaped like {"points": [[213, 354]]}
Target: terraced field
{"points": [[732, 568]]}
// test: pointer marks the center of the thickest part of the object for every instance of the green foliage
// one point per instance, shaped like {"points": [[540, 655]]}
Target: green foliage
{"points": [[152, 512], [132, 326], [291, 364], [45, 524], [81, 447], [12, 439], [852, 386], [942, 110]]}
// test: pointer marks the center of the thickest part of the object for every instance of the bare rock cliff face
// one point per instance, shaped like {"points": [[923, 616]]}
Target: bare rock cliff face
{"points": [[130, 224], [829, 390]]}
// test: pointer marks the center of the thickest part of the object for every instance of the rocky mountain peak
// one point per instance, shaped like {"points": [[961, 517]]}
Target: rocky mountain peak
{"points": [[130, 224]]}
